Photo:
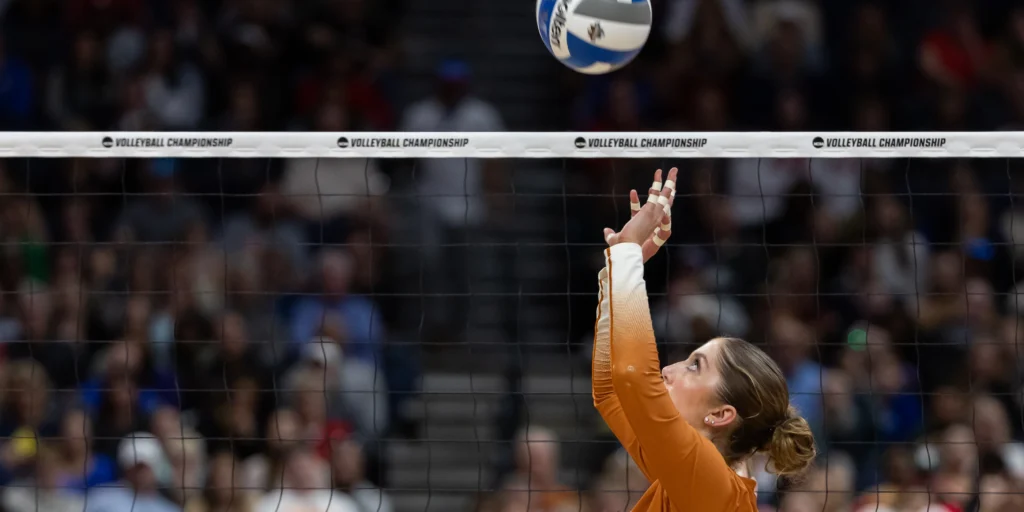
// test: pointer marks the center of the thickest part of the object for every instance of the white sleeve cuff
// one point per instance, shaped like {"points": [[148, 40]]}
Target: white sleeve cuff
{"points": [[626, 250]]}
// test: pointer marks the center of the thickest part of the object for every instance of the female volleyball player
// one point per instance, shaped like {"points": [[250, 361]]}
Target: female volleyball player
{"points": [[693, 426]]}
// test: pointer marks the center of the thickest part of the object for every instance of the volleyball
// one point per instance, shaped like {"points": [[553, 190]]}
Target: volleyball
{"points": [[594, 36]]}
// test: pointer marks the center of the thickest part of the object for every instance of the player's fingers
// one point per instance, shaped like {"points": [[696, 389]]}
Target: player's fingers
{"points": [[669, 189], [668, 192], [609, 235], [661, 236], [666, 223], [655, 187], [634, 203], [652, 196]]}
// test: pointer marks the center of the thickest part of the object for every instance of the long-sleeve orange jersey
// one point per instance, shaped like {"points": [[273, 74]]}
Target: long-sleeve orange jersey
{"points": [[687, 472]]}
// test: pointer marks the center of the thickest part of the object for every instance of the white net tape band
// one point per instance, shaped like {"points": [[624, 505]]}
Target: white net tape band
{"points": [[514, 145]]}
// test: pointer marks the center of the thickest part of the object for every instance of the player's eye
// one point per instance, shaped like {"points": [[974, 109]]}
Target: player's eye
{"points": [[694, 366]]}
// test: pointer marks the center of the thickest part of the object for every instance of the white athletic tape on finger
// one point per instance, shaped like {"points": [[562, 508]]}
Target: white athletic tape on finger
{"points": [[634, 206], [671, 185], [658, 240], [667, 226], [656, 186], [663, 201]]}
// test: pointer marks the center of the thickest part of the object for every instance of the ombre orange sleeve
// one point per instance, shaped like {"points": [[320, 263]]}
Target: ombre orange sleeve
{"points": [[689, 467], [601, 379]]}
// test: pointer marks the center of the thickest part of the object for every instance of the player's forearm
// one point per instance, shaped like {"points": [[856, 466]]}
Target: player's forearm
{"points": [[634, 353]]}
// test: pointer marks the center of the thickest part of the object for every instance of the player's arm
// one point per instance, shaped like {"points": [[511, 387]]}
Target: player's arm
{"points": [[690, 468], [601, 379], [688, 465], [601, 367]]}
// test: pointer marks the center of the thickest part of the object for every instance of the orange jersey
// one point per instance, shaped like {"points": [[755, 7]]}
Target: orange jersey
{"points": [[687, 472]]}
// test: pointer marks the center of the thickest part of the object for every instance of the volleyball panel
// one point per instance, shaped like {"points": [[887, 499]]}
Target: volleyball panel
{"points": [[593, 36]]}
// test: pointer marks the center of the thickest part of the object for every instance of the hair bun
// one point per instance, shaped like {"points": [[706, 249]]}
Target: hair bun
{"points": [[791, 449]]}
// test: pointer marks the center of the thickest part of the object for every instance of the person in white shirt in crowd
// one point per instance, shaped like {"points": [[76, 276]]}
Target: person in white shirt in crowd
{"points": [[348, 463], [142, 461], [302, 488], [453, 188], [358, 388], [451, 194]]}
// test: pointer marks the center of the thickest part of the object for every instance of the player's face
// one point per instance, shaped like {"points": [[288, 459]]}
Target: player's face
{"points": [[692, 383]]}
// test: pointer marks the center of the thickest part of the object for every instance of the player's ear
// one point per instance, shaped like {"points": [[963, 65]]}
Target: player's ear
{"points": [[722, 416]]}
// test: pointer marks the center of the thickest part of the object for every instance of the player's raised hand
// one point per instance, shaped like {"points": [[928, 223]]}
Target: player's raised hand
{"points": [[650, 225]]}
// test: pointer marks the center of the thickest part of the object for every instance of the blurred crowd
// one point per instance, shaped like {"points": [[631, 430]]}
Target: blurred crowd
{"points": [[212, 335], [791, 65]]}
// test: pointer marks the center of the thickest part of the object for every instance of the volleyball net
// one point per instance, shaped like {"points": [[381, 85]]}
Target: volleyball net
{"points": [[389, 314]]}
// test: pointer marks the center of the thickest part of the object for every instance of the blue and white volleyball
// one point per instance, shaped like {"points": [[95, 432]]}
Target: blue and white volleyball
{"points": [[594, 36]]}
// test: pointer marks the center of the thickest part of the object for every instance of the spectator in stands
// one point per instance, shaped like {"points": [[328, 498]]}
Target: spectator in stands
{"points": [[993, 435], [352, 320], [692, 311], [122, 395], [271, 224], [78, 94], [536, 485], [333, 195], [282, 433], [133, 112], [348, 467], [452, 191], [317, 422], [792, 343], [161, 215], [452, 108], [141, 459], [187, 468], [955, 54], [620, 485], [43, 491], [900, 254], [74, 464], [357, 390], [29, 414], [234, 357], [224, 489], [829, 488], [174, 87], [301, 487], [232, 417], [717, 34]]}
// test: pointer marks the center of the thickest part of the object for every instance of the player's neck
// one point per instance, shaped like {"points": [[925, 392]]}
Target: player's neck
{"points": [[742, 469]]}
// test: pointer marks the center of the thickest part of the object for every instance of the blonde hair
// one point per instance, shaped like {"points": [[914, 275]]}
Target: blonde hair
{"points": [[756, 387]]}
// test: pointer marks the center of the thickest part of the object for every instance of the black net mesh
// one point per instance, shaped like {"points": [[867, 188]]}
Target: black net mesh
{"points": [[381, 335]]}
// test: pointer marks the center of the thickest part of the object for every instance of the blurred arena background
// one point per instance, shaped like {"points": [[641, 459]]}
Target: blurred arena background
{"points": [[267, 330]]}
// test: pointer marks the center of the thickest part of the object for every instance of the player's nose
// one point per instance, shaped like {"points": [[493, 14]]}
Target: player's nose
{"points": [[667, 374]]}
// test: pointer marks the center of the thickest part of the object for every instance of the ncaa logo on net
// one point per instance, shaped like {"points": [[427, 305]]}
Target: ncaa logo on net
{"points": [[108, 142], [818, 142], [343, 142], [580, 143]]}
